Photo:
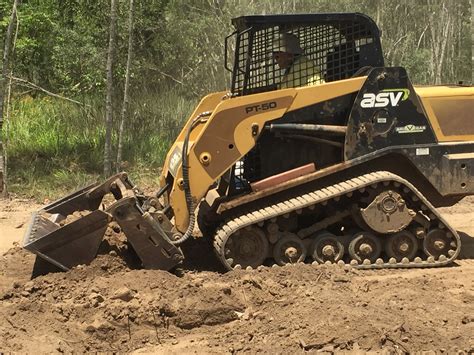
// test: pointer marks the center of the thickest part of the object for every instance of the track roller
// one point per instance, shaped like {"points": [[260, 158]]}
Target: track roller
{"points": [[438, 242], [401, 245], [289, 250], [327, 247], [365, 246], [247, 247]]}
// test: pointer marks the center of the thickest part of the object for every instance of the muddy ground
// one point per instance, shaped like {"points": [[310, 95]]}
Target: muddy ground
{"points": [[112, 306]]}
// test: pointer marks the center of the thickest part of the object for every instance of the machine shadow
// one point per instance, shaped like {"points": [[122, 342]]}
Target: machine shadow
{"points": [[467, 246]]}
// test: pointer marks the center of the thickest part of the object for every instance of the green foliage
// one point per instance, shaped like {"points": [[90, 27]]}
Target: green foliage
{"points": [[46, 137], [178, 58], [62, 44], [59, 144]]}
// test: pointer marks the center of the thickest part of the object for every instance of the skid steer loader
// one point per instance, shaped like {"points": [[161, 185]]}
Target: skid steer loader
{"points": [[318, 154]]}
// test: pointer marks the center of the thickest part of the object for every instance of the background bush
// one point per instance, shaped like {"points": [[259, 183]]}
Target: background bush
{"points": [[55, 145]]}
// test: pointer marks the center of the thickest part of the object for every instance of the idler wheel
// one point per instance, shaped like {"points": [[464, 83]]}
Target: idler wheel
{"points": [[365, 245], [437, 242], [327, 247], [401, 245], [289, 250], [247, 247]]}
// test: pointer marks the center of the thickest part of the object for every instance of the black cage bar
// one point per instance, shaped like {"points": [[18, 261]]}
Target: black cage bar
{"points": [[323, 48]]}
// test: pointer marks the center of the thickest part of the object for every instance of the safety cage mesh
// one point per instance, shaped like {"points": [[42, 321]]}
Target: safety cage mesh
{"points": [[322, 52]]}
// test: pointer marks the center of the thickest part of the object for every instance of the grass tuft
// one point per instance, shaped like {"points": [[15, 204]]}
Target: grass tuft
{"points": [[55, 146]]}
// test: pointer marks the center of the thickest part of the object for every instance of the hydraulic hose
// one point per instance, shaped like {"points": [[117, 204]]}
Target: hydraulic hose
{"points": [[187, 189]]}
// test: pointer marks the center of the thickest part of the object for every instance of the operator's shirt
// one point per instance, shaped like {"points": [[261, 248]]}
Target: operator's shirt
{"points": [[303, 72]]}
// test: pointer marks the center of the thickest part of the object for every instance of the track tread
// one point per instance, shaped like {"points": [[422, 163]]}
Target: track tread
{"points": [[323, 195]]}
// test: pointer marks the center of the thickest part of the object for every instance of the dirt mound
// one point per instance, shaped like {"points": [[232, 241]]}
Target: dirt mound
{"points": [[107, 306], [113, 305]]}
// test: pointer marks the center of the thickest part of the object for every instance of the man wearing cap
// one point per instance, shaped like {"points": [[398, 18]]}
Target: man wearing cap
{"points": [[299, 70]]}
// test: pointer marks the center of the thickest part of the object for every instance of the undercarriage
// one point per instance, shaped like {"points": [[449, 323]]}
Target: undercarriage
{"points": [[372, 221]]}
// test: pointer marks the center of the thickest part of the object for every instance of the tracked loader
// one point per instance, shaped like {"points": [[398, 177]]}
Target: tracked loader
{"points": [[318, 153]]}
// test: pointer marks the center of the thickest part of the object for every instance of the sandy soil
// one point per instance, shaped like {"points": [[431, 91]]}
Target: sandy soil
{"points": [[14, 217], [112, 306]]}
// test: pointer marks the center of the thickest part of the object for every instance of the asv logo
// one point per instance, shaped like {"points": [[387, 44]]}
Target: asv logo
{"points": [[385, 98]]}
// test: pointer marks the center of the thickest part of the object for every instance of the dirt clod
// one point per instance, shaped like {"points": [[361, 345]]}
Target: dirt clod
{"points": [[73, 217], [123, 294]]}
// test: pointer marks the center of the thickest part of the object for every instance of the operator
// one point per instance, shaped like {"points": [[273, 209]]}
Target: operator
{"points": [[299, 70]]}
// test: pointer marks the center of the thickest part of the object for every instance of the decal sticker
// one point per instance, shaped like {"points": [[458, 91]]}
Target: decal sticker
{"points": [[175, 160], [381, 120], [263, 107], [422, 151], [410, 128], [387, 97]]}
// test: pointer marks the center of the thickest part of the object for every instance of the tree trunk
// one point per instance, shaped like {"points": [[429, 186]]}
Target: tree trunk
{"points": [[441, 29], [3, 87], [108, 101], [445, 34], [126, 88], [378, 18]]}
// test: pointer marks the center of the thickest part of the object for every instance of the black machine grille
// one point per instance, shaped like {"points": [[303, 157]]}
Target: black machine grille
{"points": [[324, 51]]}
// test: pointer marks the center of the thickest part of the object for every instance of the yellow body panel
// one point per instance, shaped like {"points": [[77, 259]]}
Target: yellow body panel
{"points": [[208, 103], [231, 131], [450, 110]]}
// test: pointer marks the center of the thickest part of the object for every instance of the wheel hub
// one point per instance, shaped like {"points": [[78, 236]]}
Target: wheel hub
{"points": [[403, 247], [389, 204], [291, 253], [439, 244], [246, 248], [328, 250], [366, 248]]}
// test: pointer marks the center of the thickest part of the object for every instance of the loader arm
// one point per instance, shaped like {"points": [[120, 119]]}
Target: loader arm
{"points": [[229, 132]]}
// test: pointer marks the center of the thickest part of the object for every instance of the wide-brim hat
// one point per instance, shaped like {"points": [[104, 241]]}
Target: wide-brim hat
{"points": [[286, 42]]}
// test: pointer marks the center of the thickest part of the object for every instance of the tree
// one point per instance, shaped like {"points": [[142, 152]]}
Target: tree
{"points": [[110, 87], [3, 87], [441, 31], [126, 87]]}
